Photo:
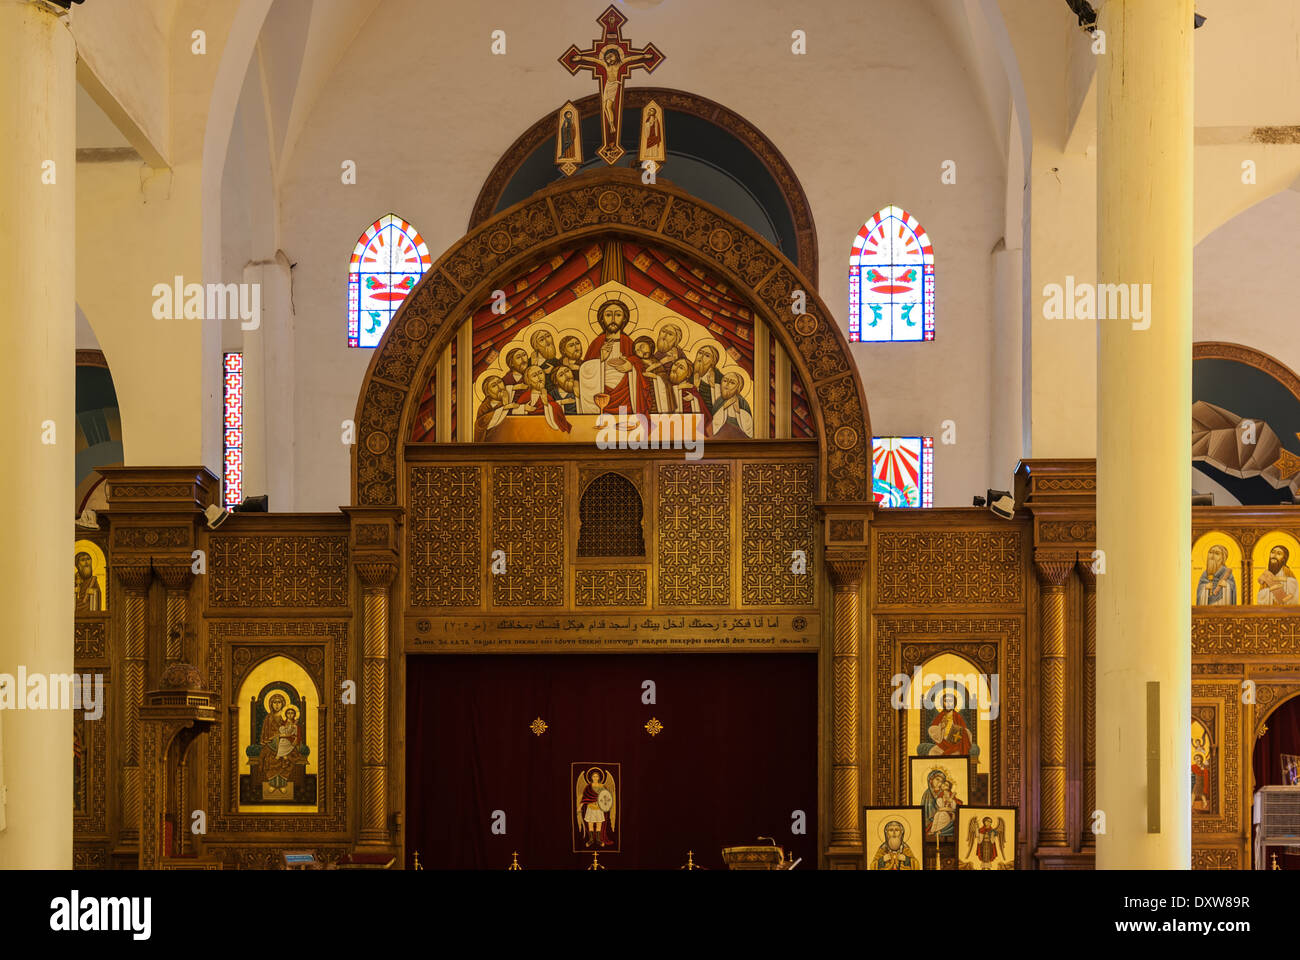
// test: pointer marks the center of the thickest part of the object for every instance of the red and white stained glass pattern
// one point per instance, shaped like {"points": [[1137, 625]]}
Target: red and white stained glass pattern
{"points": [[891, 279], [902, 471], [233, 416], [387, 263]]}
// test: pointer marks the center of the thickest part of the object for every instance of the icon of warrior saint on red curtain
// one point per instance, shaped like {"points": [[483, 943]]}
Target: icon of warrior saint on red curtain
{"points": [[595, 794]]}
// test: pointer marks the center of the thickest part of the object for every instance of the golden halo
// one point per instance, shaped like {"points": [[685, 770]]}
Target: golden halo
{"points": [[942, 771], [604, 778], [628, 302], [884, 822], [266, 700], [937, 692]]}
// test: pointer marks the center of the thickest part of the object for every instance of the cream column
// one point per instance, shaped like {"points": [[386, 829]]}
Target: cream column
{"points": [[1144, 230], [37, 423]]}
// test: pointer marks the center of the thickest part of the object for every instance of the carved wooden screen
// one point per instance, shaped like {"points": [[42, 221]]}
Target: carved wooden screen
{"points": [[610, 519]]}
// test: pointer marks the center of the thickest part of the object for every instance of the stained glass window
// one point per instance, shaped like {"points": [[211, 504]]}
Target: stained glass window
{"points": [[891, 279], [902, 471], [387, 263], [233, 416]]}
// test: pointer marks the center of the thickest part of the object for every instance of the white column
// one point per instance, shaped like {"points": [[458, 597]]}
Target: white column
{"points": [[1145, 236], [37, 386], [269, 460]]}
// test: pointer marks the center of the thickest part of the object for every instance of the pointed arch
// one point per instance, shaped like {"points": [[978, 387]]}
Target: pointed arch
{"points": [[891, 279], [387, 262]]}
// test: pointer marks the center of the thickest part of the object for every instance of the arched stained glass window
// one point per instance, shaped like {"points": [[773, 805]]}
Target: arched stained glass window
{"points": [[387, 263], [891, 279]]}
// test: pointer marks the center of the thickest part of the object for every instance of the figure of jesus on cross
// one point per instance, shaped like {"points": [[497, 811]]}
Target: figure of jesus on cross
{"points": [[610, 60]]}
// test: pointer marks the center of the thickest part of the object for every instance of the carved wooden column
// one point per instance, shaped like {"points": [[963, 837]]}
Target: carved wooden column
{"points": [[373, 546], [1052, 575], [846, 578], [376, 578], [1089, 580], [135, 580], [1061, 497]]}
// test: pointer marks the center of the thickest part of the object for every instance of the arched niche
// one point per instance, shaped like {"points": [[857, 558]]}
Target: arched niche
{"points": [[707, 132], [1232, 384], [612, 202]]}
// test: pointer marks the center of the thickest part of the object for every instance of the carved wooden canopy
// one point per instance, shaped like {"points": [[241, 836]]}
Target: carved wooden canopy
{"points": [[611, 202]]}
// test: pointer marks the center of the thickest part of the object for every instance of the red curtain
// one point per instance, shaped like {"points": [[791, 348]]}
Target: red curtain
{"points": [[1282, 736], [736, 758]]}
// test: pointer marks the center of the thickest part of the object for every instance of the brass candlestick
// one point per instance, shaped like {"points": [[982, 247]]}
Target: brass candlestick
{"points": [[690, 863], [595, 861], [417, 861], [514, 861]]}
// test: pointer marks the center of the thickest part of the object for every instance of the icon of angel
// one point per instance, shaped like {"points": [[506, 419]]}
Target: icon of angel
{"points": [[987, 842], [597, 807]]}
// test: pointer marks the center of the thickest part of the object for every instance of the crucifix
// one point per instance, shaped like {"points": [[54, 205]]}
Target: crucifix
{"points": [[610, 60]]}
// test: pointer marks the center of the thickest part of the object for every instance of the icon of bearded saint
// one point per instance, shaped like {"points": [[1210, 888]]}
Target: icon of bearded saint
{"points": [[1278, 585], [612, 376], [1216, 587], [893, 852]]}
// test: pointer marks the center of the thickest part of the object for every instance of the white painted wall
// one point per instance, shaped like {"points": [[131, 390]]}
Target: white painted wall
{"points": [[866, 118], [1247, 280]]}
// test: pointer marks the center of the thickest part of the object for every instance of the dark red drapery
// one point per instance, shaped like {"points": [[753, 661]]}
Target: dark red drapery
{"points": [[736, 757], [1282, 736]]}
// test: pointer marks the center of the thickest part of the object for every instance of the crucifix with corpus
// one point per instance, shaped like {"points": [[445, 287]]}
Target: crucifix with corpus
{"points": [[610, 60]]}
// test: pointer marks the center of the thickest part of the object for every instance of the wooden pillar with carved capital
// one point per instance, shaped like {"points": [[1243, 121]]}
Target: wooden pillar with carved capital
{"points": [[376, 578], [846, 833], [1052, 576], [1089, 580], [135, 580]]}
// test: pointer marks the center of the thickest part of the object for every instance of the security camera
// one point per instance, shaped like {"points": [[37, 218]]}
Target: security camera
{"points": [[259, 504], [216, 515], [1000, 502]]}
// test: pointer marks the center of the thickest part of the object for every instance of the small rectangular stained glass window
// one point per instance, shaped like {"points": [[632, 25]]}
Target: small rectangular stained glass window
{"points": [[233, 430], [902, 471]]}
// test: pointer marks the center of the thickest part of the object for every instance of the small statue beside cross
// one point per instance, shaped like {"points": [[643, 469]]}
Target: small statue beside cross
{"points": [[610, 60]]}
